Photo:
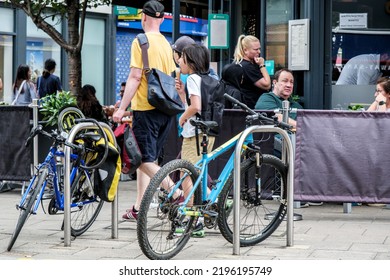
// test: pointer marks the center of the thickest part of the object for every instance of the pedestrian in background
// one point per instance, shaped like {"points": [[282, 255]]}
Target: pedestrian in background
{"points": [[90, 105], [48, 83], [256, 79], [23, 89], [150, 126]]}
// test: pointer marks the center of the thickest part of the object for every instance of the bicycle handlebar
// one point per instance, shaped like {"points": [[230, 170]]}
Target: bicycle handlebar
{"points": [[60, 139], [255, 115]]}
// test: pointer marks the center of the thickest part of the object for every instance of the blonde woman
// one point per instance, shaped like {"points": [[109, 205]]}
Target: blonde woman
{"points": [[256, 79], [382, 96]]}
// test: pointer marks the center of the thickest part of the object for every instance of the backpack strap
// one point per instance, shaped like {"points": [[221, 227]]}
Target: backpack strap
{"points": [[199, 116], [144, 44]]}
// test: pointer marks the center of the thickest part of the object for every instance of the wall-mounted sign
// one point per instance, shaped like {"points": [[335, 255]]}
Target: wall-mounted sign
{"points": [[298, 44], [218, 33], [123, 10], [355, 20]]}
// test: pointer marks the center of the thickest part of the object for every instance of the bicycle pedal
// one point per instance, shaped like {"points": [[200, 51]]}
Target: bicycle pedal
{"points": [[209, 213], [198, 234]]}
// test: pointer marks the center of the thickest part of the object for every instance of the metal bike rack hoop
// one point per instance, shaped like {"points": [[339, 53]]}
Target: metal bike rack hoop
{"points": [[237, 178], [67, 152]]}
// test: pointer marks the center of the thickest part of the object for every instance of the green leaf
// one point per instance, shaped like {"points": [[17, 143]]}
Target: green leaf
{"points": [[54, 103]]}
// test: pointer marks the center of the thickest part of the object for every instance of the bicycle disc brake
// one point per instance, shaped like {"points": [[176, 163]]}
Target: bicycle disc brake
{"points": [[52, 208]]}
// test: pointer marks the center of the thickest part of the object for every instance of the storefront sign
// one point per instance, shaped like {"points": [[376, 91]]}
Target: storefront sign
{"points": [[218, 31], [354, 20], [123, 10]]}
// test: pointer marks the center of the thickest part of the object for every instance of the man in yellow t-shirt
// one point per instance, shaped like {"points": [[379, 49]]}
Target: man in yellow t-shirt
{"points": [[150, 126]]}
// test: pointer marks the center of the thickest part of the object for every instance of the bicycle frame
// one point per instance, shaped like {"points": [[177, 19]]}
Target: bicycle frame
{"points": [[202, 165], [50, 162]]}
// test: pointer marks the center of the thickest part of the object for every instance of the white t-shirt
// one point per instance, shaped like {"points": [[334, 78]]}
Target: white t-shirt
{"points": [[193, 87]]}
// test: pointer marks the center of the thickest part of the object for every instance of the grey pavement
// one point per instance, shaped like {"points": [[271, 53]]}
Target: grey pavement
{"points": [[325, 233]]}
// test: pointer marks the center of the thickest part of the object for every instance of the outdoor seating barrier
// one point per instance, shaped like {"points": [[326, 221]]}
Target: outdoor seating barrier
{"points": [[342, 156], [16, 158], [67, 151]]}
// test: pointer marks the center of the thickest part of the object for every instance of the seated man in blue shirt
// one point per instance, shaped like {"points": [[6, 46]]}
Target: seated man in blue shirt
{"points": [[283, 86]]}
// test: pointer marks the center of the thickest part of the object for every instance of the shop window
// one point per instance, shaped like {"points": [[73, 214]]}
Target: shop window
{"points": [[6, 58], [6, 55], [278, 15], [40, 46], [360, 50], [93, 55]]}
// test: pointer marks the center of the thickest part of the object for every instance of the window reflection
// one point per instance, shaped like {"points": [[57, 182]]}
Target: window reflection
{"points": [[40, 47]]}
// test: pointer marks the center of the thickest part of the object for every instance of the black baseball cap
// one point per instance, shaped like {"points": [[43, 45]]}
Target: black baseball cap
{"points": [[153, 9], [181, 43]]}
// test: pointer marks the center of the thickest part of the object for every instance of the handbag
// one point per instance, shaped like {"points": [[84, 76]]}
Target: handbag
{"points": [[17, 95], [134, 156], [162, 92]]}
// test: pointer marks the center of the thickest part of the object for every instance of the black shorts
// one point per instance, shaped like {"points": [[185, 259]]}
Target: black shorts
{"points": [[151, 129]]}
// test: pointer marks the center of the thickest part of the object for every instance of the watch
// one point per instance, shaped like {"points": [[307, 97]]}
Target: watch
{"points": [[261, 66], [380, 103]]}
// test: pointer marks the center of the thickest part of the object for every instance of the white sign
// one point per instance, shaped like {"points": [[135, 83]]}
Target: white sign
{"points": [[298, 44], [353, 21]]}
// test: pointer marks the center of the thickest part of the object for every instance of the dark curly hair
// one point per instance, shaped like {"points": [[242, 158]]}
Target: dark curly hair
{"points": [[89, 104]]}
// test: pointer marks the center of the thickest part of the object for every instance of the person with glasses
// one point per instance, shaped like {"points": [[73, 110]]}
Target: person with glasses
{"points": [[382, 96], [256, 79]]}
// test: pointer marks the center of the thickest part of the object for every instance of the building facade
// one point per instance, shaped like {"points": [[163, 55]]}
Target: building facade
{"points": [[21, 42], [316, 39]]}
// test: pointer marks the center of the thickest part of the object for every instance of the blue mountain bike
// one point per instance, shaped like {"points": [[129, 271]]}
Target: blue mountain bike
{"points": [[85, 204], [164, 226]]}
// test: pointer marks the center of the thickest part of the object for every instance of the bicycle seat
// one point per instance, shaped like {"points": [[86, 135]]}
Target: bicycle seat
{"points": [[90, 136], [204, 125]]}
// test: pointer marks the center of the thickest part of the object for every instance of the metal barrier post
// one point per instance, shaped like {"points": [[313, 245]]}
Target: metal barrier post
{"points": [[67, 152], [237, 179], [35, 107]]}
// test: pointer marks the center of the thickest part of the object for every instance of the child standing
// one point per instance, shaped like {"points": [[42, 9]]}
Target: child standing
{"points": [[195, 60]]}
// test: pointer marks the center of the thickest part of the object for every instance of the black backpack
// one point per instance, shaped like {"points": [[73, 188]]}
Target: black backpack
{"points": [[213, 101], [232, 76]]}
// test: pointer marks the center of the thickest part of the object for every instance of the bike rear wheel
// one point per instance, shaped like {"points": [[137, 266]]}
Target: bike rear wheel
{"points": [[26, 207], [89, 204], [162, 231], [263, 203]]}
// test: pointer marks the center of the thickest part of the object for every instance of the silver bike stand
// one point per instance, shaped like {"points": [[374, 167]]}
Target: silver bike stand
{"points": [[237, 179], [67, 152]]}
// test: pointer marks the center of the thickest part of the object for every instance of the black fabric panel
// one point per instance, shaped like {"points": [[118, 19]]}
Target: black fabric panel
{"points": [[15, 158], [342, 156], [232, 124]]}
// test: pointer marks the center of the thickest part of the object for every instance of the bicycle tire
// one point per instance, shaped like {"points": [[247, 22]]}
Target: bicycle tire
{"points": [[158, 219], [82, 190], [67, 117], [260, 217], [25, 209]]}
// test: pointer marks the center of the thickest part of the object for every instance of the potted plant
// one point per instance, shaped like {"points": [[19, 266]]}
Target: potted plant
{"points": [[53, 104]]}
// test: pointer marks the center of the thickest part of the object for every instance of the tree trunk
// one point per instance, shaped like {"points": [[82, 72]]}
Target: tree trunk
{"points": [[74, 56]]}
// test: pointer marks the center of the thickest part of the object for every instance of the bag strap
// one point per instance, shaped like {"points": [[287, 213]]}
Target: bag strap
{"points": [[144, 44], [19, 91]]}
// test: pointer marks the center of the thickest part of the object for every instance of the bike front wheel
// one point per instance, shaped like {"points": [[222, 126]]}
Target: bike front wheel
{"points": [[263, 203], [25, 207], [86, 205], [162, 231]]}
